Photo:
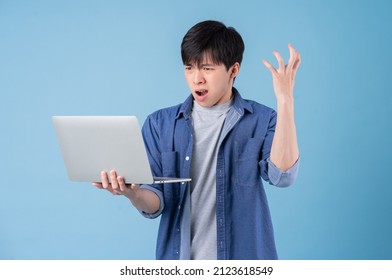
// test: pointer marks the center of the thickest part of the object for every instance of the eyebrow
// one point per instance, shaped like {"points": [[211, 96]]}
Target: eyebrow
{"points": [[207, 64], [200, 65]]}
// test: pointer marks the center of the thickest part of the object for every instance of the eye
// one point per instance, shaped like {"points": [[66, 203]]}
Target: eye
{"points": [[207, 68], [188, 67]]}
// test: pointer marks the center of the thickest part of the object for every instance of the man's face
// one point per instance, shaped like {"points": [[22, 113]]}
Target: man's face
{"points": [[210, 83]]}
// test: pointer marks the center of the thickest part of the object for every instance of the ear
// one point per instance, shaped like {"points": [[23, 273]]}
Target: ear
{"points": [[235, 69]]}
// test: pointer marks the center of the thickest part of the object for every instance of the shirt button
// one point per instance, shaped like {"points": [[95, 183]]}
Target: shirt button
{"points": [[187, 158]]}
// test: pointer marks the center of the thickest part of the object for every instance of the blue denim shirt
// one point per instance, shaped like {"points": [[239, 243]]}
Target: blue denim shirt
{"points": [[244, 227]]}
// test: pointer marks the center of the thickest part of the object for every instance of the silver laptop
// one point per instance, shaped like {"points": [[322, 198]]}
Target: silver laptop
{"points": [[91, 144]]}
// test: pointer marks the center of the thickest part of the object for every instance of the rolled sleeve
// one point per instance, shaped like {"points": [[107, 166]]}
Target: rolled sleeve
{"points": [[161, 205], [280, 178]]}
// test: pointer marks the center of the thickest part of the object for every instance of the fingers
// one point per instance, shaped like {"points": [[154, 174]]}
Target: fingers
{"points": [[117, 185], [105, 181], [291, 59], [292, 65], [297, 62], [121, 184], [111, 186], [270, 67], [295, 58], [113, 180], [98, 185], [134, 187], [280, 61], [283, 77]]}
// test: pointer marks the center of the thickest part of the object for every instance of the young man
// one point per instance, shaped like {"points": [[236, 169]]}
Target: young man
{"points": [[226, 145]]}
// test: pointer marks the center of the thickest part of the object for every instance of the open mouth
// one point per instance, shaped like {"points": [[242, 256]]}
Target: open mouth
{"points": [[201, 92]]}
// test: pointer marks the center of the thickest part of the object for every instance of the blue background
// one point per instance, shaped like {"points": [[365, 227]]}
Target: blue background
{"points": [[123, 58]]}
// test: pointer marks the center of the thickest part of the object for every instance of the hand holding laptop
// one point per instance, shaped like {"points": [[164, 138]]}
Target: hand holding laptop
{"points": [[142, 199], [117, 185]]}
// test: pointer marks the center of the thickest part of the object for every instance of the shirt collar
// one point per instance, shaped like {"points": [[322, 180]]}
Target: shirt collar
{"points": [[239, 104]]}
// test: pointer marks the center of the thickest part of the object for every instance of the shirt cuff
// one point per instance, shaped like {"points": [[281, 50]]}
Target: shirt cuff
{"points": [[161, 204], [282, 178]]}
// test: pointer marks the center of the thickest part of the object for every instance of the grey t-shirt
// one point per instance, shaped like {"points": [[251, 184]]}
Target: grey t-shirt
{"points": [[207, 125]]}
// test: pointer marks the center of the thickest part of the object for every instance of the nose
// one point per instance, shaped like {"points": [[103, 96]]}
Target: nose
{"points": [[198, 77]]}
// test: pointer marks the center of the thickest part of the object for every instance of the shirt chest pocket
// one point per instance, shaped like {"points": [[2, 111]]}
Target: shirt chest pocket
{"points": [[247, 157]]}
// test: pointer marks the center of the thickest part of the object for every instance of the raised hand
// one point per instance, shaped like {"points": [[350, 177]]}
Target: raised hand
{"points": [[283, 78], [284, 149]]}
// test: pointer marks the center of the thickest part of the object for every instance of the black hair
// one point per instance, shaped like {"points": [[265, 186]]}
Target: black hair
{"points": [[221, 44]]}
